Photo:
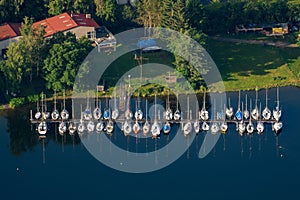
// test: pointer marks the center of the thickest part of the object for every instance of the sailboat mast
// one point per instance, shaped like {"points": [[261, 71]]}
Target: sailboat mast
{"points": [[239, 105], [278, 97], [64, 99], [266, 97], [54, 99], [256, 97], [73, 109]]}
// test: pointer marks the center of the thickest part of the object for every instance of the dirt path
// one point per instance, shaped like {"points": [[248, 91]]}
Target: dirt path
{"points": [[260, 42]]}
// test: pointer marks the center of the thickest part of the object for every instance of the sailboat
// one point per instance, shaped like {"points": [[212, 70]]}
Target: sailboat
{"points": [[214, 127], [260, 125], [46, 114], [241, 125], [128, 113], [187, 128], [277, 127], [81, 126], [62, 128], [266, 112], [229, 110], [106, 113], [204, 112], [72, 125], [138, 115], [246, 111], [127, 128], [90, 126], [254, 112], [155, 128], [196, 122], [87, 114], [115, 112], [136, 127], [99, 126], [146, 126], [168, 113], [277, 111], [38, 114], [239, 113], [177, 114], [250, 126], [97, 111], [64, 113], [109, 126], [167, 128], [224, 125], [55, 113], [42, 127]]}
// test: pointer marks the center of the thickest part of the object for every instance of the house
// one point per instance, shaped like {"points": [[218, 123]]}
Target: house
{"points": [[79, 24], [9, 32]]}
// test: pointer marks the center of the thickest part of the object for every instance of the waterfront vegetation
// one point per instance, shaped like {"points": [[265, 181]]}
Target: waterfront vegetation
{"points": [[34, 65]]}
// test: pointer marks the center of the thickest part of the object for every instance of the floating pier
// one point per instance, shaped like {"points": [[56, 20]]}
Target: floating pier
{"points": [[105, 119]]}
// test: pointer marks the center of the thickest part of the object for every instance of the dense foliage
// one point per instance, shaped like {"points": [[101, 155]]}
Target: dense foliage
{"points": [[54, 63]]}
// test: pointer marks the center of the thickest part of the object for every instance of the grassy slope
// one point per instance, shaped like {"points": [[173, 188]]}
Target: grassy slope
{"points": [[245, 66]]}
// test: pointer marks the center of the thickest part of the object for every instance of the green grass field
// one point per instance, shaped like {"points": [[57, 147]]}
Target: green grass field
{"points": [[245, 66], [242, 66]]}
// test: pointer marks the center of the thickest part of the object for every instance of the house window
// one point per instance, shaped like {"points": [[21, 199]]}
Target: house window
{"points": [[91, 35]]}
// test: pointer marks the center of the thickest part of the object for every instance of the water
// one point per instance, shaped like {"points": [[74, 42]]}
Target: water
{"points": [[236, 168]]}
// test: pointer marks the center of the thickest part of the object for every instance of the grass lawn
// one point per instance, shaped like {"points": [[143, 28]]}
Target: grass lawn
{"points": [[242, 66], [245, 66], [126, 62]]}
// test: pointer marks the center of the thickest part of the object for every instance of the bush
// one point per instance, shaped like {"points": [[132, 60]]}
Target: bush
{"points": [[33, 98], [16, 102]]}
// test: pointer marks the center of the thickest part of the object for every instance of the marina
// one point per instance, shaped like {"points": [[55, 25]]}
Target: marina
{"points": [[104, 117]]}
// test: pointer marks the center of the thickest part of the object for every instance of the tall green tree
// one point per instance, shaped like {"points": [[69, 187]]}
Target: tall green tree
{"points": [[149, 14], [24, 58], [106, 10], [56, 7], [63, 61]]}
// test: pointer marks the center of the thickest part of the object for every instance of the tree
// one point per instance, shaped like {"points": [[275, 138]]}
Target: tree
{"points": [[57, 7], [105, 9], [24, 57], [195, 13], [149, 14], [63, 61], [294, 10], [12, 68]]}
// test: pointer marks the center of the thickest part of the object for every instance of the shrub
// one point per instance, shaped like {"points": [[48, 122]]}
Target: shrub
{"points": [[33, 98], [16, 102]]}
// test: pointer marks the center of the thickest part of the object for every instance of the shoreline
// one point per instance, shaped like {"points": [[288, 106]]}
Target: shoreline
{"points": [[5, 107]]}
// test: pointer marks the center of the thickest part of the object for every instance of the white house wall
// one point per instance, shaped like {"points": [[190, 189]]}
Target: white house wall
{"points": [[80, 31], [5, 43]]}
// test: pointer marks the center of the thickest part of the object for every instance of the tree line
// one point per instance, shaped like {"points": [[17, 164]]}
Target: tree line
{"points": [[207, 15], [44, 63], [53, 63]]}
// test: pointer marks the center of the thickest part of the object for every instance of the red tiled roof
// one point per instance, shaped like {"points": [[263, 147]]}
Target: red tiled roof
{"points": [[84, 20], [57, 23], [9, 30], [64, 22]]}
